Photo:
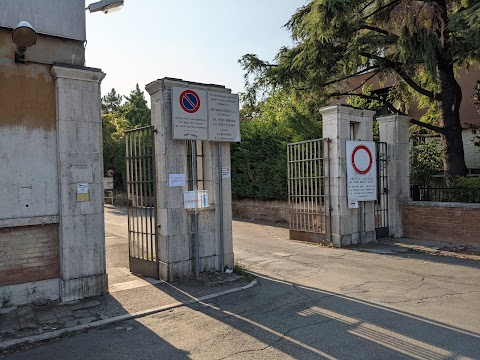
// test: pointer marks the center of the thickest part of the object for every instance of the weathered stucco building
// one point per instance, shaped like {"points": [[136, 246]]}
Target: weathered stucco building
{"points": [[51, 239]]}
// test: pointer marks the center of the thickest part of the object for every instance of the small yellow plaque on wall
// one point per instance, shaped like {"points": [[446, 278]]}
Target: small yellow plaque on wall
{"points": [[82, 192], [83, 197]]}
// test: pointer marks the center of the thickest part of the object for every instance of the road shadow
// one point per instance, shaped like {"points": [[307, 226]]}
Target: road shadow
{"points": [[153, 297], [283, 318], [391, 250], [278, 224], [306, 323]]}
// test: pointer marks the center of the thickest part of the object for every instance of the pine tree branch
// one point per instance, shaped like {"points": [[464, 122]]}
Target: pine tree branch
{"points": [[394, 2], [428, 126], [378, 30], [368, 97], [352, 75], [393, 109], [398, 69], [366, 6], [364, 82]]}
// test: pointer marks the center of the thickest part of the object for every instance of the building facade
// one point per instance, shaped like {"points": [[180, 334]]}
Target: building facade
{"points": [[51, 239]]}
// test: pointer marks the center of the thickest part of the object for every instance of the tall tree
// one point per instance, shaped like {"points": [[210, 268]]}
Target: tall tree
{"points": [[415, 44], [111, 102], [136, 110]]}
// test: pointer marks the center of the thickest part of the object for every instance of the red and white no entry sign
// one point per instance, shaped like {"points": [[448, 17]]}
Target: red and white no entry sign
{"points": [[361, 171], [362, 159]]}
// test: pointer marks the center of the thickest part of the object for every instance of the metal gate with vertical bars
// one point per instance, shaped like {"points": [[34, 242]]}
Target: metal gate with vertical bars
{"points": [[141, 190], [308, 198], [381, 204]]}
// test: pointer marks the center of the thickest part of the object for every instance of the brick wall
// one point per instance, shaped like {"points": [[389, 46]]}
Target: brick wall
{"points": [[452, 222], [29, 253], [276, 211]]}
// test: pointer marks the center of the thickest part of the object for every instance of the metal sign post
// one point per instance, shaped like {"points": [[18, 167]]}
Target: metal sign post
{"points": [[195, 188], [220, 200]]}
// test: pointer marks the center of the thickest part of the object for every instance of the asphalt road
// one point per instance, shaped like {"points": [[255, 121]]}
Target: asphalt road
{"points": [[311, 302]]}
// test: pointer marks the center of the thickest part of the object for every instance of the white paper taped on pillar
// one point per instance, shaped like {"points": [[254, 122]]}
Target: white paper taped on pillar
{"points": [[197, 199]]}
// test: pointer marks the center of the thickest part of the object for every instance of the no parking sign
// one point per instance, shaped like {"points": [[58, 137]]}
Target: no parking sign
{"points": [[189, 113], [361, 171]]}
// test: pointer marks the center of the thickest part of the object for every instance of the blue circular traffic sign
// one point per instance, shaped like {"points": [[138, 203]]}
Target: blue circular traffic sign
{"points": [[189, 101]]}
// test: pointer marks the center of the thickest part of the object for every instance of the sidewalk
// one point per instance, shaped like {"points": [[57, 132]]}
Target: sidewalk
{"points": [[130, 296], [429, 247], [401, 245]]}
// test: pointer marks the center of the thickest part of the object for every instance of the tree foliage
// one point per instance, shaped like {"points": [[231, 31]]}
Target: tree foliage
{"points": [[135, 108], [259, 162], [425, 161], [414, 45], [117, 117], [111, 102]]}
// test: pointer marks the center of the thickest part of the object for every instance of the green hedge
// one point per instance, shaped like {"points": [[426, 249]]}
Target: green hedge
{"points": [[468, 183], [259, 163]]}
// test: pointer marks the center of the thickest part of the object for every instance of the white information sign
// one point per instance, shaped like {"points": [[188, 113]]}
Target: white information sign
{"points": [[176, 180], [189, 113], [82, 188], [223, 117], [195, 199], [108, 183], [225, 173], [361, 171]]}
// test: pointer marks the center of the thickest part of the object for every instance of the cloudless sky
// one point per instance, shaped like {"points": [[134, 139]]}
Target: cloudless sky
{"points": [[194, 40]]}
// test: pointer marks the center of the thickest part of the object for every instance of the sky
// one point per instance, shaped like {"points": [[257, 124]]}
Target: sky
{"points": [[194, 40]]}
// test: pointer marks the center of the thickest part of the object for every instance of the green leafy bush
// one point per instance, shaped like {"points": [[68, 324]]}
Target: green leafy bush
{"points": [[259, 162], [468, 183], [425, 160]]}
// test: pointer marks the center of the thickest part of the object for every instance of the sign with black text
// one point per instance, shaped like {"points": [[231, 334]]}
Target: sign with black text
{"points": [[361, 171]]}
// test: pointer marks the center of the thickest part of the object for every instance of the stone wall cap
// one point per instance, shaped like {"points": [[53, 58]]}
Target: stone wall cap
{"points": [[76, 72], [29, 221], [79, 67], [394, 117], [168, 83], [346, 109]]}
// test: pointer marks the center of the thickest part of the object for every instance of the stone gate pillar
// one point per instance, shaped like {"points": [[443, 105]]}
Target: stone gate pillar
{"points": [[342, 123], [80, 166], [175, 232], [394, 131]]}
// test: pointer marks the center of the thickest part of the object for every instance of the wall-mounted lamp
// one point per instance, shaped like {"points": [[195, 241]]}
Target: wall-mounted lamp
{"points": [[23, 36], [107, 6]]}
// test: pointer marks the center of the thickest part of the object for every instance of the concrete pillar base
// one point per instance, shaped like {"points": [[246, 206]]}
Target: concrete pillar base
{"points": [[77, 289]]}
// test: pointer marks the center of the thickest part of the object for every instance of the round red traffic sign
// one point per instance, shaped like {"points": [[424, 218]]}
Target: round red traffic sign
{"points": [[362, 159], [189, 101]]}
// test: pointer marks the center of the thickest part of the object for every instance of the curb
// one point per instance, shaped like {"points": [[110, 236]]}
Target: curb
{"points": [[80, 328]]}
